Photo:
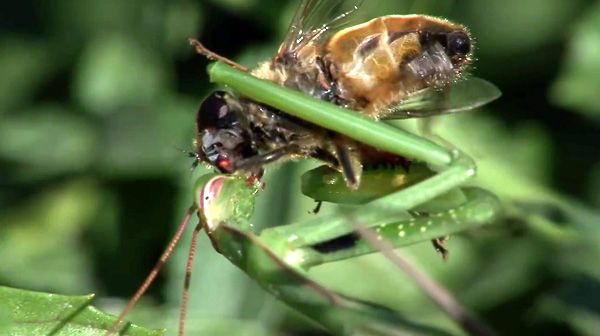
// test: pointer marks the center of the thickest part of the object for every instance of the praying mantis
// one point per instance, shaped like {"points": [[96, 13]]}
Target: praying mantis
{"points": [[391, 205], [278, 258]]}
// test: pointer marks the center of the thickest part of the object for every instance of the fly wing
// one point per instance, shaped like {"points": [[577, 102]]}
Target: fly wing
{"points": [[467, 94], [313, 19]]}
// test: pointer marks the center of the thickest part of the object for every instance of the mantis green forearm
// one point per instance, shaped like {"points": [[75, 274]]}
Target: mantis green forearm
{"points": [[385, 209], [350, 123], [481, 208]]}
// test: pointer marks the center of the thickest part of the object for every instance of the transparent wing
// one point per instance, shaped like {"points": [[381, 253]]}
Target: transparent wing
{"points": [[465, 95], [314, 18]]}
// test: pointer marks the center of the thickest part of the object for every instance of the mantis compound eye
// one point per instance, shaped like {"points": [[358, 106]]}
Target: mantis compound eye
{"points": [[214, 113], [459, 44]]}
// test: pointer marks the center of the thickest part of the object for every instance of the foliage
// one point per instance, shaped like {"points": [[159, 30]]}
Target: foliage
{"points": [[30, 313]]}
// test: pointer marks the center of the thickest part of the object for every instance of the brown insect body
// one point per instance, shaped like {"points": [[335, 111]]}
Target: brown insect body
{"points": [[368, 67], [373, 65]]}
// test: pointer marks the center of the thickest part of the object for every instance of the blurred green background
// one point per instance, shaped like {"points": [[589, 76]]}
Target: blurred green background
{"points": [[97, 105]]}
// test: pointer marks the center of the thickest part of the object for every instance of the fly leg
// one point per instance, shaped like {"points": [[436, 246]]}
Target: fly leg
{"points": [[260, 160], [290, 149], [348, 162], [211, 55], [341, 158]]}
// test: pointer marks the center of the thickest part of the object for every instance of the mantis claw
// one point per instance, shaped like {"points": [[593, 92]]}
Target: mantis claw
{"points": [[317, 207]]}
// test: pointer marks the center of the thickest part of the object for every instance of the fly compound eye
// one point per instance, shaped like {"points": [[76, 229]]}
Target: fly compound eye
{"points": [[458, 43], [214, 113]]}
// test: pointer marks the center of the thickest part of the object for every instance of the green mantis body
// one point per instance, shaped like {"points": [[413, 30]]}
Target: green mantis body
{"points": [[277, 258]]}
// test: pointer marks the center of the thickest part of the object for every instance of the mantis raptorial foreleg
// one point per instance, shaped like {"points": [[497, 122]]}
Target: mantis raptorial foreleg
{"points": [[480, 208]]}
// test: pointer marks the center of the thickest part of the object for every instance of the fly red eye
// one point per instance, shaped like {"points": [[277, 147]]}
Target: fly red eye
{"points": [[224, 164]]}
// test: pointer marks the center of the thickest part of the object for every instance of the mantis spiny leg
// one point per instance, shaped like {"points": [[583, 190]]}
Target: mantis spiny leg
{"points": [[305, 238], [185, 296]]}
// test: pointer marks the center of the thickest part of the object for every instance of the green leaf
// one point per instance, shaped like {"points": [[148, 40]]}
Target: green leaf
{"points": [[116, 72], [23, 66], [47, 140], [237, 5], [532, 23], [40, 244], [182, 20], [34, 313], [577, 85]]}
